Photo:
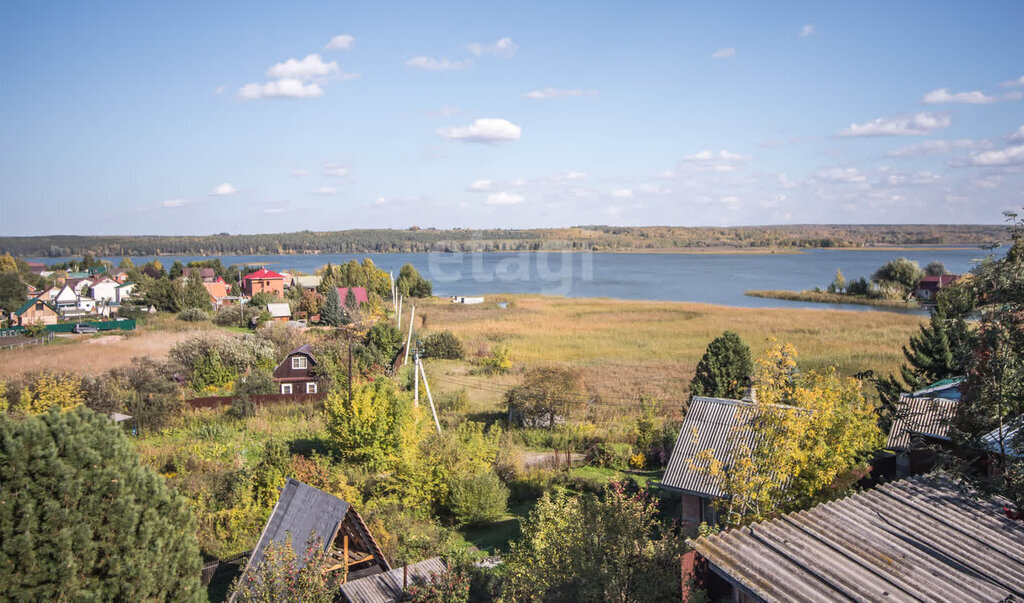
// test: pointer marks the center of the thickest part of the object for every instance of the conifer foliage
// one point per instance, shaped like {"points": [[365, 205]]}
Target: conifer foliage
{"points": [[82, 519], [724, 369], [332, 313]]}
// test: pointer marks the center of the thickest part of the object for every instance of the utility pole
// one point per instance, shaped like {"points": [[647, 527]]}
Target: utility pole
{"points": [[350, 370], [426, 386], [416, 380], [408, 341]]}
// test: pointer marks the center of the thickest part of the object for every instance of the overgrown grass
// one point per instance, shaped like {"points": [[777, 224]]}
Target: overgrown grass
{"points": [[824, 297], [629, 349]]}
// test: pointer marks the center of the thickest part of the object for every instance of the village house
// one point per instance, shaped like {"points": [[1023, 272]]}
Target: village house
{"points": [[306, 282], [37, 268], [36, 311], [303, 510], [358, 292], [207, 275], [921, 423], [125, 292], [104, 290], [715, 424], [391, 585], [219, 296], [928, 289], [121, 276], [263, 281], [280, 312], [295, 374], [918, 539], [79, 285]]}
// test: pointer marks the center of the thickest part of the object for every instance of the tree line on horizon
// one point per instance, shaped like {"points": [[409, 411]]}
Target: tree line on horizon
{"points": [[580, 238]]}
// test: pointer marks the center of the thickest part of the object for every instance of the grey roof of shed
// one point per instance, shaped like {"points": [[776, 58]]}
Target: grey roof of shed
{"points": [[299, 511], [387, 587], [920, 538], [710, 424], [1012, 437], [928, 416]]}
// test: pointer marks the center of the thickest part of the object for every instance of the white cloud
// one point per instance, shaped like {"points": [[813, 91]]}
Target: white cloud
{"points": [[274, 210], [723, 155], [1017, 136], [849, 175], [622, 193], [335, 170], [280, 89], [504, 47], [918, 124], [936, 147], [1008, 156], [223, 190], [479, 186], [504, 198], [340, 42], [219, 89], [724, 53], [325, 190], [943, 95], [485, 130], [174, 203], [575, 175], [547, 93], [1012, 83], [299, 173], [308, 68], [432, 64], [807, 30]]}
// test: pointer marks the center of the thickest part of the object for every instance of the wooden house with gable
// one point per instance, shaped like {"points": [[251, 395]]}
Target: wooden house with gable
{"points": [[303, 512], [295, 373]]}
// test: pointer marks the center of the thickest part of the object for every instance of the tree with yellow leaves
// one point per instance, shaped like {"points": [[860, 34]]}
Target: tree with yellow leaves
{"points": [[49, 389], [7, 264], [797, 445]]}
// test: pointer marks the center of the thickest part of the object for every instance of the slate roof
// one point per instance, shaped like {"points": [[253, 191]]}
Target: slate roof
{"points": [[300, 510], [915, 539], [387, 587], [931, 417], [1013, 439], [717, 424], [279, 310], [306, 282]]}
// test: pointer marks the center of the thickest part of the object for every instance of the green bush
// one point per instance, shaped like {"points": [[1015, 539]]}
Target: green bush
{"points": [[610, 454], [477, 499], [456, 401], [193, 315], [445, 345]]}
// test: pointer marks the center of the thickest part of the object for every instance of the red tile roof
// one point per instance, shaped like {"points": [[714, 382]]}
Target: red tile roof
{"points": [[262, 274]]}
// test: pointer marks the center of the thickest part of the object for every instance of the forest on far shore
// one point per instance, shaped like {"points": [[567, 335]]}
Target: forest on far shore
{"points": [[579, 238]]}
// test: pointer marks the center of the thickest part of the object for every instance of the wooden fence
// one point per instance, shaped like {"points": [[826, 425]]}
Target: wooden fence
{"points": [[260, 400], [44, 339], [227, 566]]}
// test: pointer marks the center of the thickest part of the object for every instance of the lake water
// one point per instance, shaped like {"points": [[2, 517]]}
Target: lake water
{"points": [[707, 278]]}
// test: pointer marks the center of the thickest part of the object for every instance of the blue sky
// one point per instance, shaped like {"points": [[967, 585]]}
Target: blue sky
{"points": [[197, 117]]}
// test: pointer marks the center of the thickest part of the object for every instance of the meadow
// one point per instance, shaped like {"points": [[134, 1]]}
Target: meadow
{"points": [[629, 349]]}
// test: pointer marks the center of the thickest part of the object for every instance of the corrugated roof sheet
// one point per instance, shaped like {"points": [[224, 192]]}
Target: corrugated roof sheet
{"points": [[1013, 439], [927, 416], [916, 539], [710, 424], [300, 510], [279, 310], [387, 587]]}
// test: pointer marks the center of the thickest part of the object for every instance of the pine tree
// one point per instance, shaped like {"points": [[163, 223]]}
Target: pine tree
{"points": [[83, 519], [332, 313], [929, 354], [195, 294], [724, 369]]}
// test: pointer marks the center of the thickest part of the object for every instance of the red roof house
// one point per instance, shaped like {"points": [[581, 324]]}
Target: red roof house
{"points": [[263, 280], [359, 292], [929, 286]]}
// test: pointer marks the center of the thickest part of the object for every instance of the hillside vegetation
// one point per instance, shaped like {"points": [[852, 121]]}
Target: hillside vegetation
{"points": [[596, 238]]}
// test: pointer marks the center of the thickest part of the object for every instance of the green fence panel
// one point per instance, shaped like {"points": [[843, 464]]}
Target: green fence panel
{"points": [[106, 325]]}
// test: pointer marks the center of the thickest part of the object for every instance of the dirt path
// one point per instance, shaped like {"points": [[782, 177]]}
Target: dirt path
{"points": [[89, 354]]}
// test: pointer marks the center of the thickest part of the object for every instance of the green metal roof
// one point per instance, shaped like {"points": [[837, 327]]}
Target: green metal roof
{"points": [[31, 303]]}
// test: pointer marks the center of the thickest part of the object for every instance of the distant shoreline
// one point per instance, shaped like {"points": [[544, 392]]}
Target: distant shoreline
{"points": [[823, 297]]}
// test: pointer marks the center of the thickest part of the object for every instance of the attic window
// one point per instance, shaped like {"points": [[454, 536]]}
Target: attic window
{"points": [[298, 363]]}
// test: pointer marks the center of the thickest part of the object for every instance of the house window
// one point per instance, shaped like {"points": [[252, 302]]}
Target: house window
{"points": [[39, 306], [299, 363], [286, 388], [311, 388]]}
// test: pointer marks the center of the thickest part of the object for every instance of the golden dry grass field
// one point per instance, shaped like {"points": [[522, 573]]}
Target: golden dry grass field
{"points": [[632, 348]]}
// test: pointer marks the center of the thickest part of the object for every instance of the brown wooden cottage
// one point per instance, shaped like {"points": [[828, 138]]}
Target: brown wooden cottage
{"points": [[295, 374]]}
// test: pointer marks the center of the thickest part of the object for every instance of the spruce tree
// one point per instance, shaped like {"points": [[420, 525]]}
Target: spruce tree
{"points": [[929, 354], [724, 369], [82, 519], [332, 313], [351, 303]]}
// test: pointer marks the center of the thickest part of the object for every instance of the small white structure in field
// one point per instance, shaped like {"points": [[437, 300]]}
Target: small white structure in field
{"points": [[461, 299]]}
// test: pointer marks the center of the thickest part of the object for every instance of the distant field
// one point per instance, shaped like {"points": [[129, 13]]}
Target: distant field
{"points": [[91, 354], [629, 348]]}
